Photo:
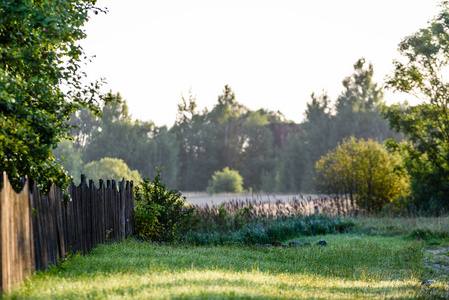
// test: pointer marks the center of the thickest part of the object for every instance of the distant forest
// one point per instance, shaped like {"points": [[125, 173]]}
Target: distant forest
{"points": [[271, 153]]}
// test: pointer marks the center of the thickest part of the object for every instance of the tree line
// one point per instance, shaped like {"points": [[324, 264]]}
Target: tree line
{"points": [[53, 125], [271, 153]]}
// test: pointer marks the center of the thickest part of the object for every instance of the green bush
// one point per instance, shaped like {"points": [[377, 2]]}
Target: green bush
{"points": [[110, 168], [365, 172], [161, 214], [226, 181]]}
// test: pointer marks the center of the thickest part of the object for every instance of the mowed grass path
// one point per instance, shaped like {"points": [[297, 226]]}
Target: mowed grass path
{"points": [[351, 266]]}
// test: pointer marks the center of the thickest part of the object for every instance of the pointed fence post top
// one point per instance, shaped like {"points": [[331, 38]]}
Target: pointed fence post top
{"points": [[83, 178]]}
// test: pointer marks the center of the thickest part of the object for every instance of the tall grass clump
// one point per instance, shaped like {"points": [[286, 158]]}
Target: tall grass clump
{"points": [[251, 222]]}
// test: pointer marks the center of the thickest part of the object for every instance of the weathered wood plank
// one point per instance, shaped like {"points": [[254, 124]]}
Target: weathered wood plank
{"points": [[114, 211], [121, 216], [16, 236], [102, 203], [83, 216], [89, 216]]}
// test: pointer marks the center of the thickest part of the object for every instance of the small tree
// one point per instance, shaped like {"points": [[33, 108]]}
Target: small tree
{"points": [[70, 159], [110, 168], [363, 171], [226, 181]]}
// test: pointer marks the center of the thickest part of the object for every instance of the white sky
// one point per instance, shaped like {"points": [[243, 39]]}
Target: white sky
{"points": [[272, 53]]}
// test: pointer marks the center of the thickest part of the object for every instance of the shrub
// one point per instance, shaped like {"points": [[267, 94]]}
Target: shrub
{"points": [[161, 214], [226, 181], [110, 168], [363, 171]]}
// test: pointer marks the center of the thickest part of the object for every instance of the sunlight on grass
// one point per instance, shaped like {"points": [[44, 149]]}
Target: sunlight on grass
{"points": [[214, 284], [351, 266]]}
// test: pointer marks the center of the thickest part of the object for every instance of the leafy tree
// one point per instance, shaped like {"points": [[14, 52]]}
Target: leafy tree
{"points": [[358, 108], [208, 141], [197, 144], [292, 166], [112, 169], [425, 125], [357, 113], [70, 158], [162, 149], [40, 84], [141, 145], [83, 123], [259, 154], [318, 140], [363, 171], [227, 114], [226, 181], [113, 137]]}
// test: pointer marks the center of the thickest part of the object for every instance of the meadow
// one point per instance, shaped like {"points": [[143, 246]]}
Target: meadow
{"points": [[381, 258]]}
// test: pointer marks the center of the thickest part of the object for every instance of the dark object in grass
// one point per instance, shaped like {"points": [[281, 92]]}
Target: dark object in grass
{"points": [[257, 245], [307, 244], [267, 245], [294, 244], [321, 243], [278, 244]]}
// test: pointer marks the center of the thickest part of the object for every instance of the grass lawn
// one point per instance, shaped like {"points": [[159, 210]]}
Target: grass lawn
{"points": [[351, 266]]}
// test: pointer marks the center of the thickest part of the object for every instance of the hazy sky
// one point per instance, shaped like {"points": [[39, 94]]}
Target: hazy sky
{"points": [[273, 54]]}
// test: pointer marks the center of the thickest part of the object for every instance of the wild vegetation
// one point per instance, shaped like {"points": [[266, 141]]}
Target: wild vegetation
{"points": [[382, 265], [364, 172], [160, 214], [426, 153], [381, 227], [268, 151]]}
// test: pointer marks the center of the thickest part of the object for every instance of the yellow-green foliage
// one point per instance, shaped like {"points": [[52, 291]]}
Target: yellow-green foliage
{"points": [[228, 181], [364, 171], [110, 168]]}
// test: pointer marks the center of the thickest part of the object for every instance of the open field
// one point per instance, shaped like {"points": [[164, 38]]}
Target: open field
{"points": [[351, 266], [205, 198], [284, 204]]}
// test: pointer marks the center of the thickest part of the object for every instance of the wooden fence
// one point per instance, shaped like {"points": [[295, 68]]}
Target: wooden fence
{"points": [[37, 230]]}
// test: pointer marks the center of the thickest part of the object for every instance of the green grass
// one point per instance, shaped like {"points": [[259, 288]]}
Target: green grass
{"points": [[403, 225], [351, 266]]}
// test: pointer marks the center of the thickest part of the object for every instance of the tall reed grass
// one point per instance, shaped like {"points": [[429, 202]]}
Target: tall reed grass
{"points": [[252, 220]]}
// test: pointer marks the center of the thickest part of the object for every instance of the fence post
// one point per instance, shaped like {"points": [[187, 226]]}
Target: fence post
{"points": [[122, 215], [16, 235]]}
